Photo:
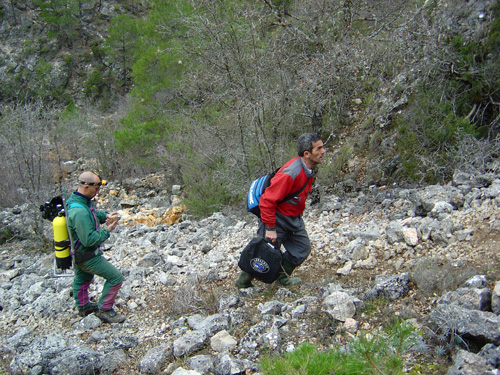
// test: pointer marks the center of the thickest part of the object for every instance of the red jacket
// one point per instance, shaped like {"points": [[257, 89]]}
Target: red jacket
{"points": [[289, 179]]}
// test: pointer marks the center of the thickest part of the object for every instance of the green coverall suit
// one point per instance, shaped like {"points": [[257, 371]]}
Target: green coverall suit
{"points": [[83, 223]]}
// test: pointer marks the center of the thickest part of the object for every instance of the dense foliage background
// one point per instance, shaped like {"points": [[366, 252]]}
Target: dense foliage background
{"points": [[215, 93]]}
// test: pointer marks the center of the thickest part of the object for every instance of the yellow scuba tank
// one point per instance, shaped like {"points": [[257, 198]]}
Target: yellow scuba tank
{"points": [[61, 242]]}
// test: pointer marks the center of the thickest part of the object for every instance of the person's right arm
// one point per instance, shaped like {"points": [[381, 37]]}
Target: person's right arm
{"points": [[85, 228], [268, 203]]}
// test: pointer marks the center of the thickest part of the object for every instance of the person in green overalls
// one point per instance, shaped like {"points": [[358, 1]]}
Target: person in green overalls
{"points": [[87, 234]]}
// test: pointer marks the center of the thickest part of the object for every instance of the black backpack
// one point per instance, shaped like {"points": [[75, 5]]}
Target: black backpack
{"points": [[50, 209]]}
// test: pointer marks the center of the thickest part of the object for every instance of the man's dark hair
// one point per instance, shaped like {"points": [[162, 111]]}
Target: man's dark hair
{"points": [[305, 142]]}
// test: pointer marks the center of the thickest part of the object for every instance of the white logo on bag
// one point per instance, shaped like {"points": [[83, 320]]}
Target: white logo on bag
{"points": [[259, 265], [252, 188]]}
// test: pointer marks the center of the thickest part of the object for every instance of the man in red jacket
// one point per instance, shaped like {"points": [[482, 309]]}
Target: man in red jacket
{"points": [[281, 222]]}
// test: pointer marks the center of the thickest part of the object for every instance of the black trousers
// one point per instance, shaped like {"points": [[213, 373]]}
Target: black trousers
{"points": [[292, 235]]}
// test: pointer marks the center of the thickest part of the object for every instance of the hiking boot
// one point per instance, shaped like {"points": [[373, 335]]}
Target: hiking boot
{"points": [[110, 316], [244, 281], [88, 309], [284, 277], [284, 280]]}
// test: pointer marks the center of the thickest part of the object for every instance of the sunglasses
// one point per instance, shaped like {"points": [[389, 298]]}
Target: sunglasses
{"points": [[100, 183]]}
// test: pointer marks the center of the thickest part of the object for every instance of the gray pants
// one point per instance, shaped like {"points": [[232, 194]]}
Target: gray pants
{"points": [[293, 236]]}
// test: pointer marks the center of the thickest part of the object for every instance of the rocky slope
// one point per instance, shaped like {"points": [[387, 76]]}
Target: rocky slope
{"points": [[380, 253]]}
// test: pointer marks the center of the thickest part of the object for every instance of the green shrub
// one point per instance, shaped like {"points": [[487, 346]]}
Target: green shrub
{"points": [[303, 360], [5, 235], [334, 165], [365, 354], [43, 68], [429, 136], [375, 306], [68, 59], [204, 187], [94, 84], [29, 47]]}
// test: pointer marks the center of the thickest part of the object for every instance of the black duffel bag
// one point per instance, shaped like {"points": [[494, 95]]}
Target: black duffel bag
{"points": [[261, 260]]}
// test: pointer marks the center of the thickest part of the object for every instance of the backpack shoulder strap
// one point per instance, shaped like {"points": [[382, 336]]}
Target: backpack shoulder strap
{"points": [[290, 196]]}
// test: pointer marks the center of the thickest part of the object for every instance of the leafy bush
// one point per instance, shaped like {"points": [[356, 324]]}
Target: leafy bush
{"points": [[5, 235], [382, 353], [205, 190], [334, 165], [429, 135]]}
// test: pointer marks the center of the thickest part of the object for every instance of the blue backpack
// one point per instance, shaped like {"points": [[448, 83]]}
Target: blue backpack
{"points": [[257, 188]]}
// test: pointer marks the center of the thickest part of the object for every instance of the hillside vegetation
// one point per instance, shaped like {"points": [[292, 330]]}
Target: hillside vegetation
{"points": [[214, 93]]}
